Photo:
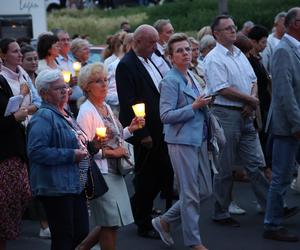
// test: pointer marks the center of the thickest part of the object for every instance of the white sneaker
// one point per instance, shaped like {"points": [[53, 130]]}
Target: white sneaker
{"points": [[235, 209], [259, 209], [294, 185], [165, 236], [45, 233]]}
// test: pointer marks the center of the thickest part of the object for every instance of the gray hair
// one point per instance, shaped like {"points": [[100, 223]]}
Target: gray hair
{"points": [[248, 24], [279, 15], [291, 16], [77, 43], [47, 77], [206, 30], [206, 41], [160, 23]]}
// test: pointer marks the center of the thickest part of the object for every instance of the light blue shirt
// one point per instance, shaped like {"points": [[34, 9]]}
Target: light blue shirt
{"points": [[225, 69], [66, 63], [294, 41]]}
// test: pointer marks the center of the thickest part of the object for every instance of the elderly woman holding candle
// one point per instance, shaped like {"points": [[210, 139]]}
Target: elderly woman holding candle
{"points": [[56, 145], [183, 111], [112, 210]]}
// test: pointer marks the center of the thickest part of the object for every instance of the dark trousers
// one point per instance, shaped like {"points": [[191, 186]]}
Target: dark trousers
{"points": [[153, 174], [68, 220]]}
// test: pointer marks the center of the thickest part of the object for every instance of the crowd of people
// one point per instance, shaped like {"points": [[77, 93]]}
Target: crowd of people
{"points": [[213, 104]]}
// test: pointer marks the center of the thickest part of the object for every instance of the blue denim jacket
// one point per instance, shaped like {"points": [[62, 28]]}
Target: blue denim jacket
{"points": [[50, 149]]}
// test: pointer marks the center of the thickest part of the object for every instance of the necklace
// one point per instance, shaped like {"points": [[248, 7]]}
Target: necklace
{"points": [[102, 109]]}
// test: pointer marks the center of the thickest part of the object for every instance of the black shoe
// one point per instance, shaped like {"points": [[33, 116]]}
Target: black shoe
{"points": [[156, 212], [281, 234], [228, 222], [289, 212], [150, 234]]}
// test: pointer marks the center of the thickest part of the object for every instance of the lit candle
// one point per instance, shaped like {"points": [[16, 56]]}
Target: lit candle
{"points": [[66, 76], [76, 67], [139, 111], [101, 132]]}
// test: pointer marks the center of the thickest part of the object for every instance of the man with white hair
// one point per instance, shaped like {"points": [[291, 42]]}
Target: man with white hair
{"points": [[137, 81], [274, 39], [247, 26]]}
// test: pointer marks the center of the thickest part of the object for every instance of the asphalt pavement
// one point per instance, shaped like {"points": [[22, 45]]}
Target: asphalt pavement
{"points": [[215, 237]]}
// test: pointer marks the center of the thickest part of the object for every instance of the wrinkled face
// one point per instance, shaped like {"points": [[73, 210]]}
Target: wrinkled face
{"points": [[30, 61], [54, 50], [13, 57], [226, 32], [64, 43], [195, 52], [98, 86], [146, 45], [181, 54], [57, 94], [166, 33], [83, 53]]}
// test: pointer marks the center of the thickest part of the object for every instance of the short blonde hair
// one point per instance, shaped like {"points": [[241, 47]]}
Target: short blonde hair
{"points": [[193, 40], [206, 30], [176, 37], [87, 74]]}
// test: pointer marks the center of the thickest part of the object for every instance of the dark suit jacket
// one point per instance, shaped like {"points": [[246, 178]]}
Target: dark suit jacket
{"points": [[12, 133], [135, 85]]}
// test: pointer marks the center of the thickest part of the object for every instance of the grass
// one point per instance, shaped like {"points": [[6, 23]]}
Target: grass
{"points": [[185, 15]]}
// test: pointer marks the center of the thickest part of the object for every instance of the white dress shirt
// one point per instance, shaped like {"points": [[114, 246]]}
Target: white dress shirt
{"points": [[112, 94], [226, 69], [153, 72], [110, 60], [159, 61]]}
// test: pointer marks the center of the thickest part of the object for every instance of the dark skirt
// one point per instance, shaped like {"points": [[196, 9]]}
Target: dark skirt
{"points": [[14, 196]]}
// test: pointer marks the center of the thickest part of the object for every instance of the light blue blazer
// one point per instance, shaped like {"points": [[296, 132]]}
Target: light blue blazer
{"points": [[182, 124]]}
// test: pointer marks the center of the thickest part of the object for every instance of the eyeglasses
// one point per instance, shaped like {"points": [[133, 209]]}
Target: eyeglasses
{"points": [[182, 50], [229, 28], [61, 88]]}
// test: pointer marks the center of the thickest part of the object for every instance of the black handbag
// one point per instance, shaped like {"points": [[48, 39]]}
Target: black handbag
{"points": [[95, 185]]}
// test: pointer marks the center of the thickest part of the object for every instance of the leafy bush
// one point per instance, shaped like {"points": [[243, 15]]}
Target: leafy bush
{"points": [[185, 15]]}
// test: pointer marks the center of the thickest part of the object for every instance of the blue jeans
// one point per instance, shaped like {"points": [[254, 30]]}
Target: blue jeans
{"points": [[285, 149], [242, 143]]}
